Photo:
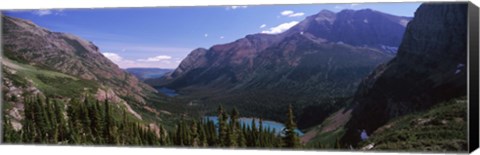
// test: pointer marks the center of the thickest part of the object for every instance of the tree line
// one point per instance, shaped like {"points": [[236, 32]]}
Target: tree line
{"points": [[94, 122]]}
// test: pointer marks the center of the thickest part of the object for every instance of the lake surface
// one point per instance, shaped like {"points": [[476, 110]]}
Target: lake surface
{"points": [[153, 75], [168, 92], [266, 123]]}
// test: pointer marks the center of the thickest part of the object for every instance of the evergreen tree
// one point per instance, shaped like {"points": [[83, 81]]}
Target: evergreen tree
{"points": [[194, 134], [222, 127], [242, 141], [290, 139], [234, 129]]}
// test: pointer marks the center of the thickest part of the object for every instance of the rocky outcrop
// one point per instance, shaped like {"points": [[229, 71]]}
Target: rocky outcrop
{"points": [[429, 68]]}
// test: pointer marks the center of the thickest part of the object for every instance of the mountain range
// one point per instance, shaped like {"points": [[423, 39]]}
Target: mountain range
{"points": [[316, 62]]}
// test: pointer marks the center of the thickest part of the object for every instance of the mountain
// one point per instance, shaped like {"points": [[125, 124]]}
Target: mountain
{"points": [[322, 58], [148, 73], [358, 28], [429, 68], [63, 66], [28, 43]]}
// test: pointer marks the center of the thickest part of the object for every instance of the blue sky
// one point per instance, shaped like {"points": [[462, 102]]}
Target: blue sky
{"points": [[161, 37]]}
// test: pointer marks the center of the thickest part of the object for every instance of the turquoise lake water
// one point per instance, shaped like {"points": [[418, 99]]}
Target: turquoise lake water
{"points": [[266, 123]]}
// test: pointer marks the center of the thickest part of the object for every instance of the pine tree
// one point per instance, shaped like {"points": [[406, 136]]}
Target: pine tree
{"points": [[194, 134], [222, 127], [40, 121], [242, 141], [234, 129], [212, 136], [260, 133], [108, 124], [29, 132], [291, 139], [253, 138]]}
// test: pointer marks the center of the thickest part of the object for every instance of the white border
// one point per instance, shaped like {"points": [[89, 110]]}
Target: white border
{"points": [[73, 150], [48, 4]]}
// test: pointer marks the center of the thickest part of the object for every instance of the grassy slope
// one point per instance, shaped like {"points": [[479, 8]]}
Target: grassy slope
{"points": [[329, 132], [442, 128], [49, 82], [52, 83]]}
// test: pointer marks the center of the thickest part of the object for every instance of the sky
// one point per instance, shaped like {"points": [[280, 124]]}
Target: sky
{"points": [[160, 37]]}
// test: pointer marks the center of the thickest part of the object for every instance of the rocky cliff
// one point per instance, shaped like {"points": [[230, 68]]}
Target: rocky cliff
{"points": [[429, 68]]}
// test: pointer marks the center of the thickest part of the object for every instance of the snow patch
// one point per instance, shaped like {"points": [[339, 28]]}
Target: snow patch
{"points": [[390, 49]]}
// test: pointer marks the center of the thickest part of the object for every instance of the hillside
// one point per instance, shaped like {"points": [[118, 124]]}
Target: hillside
{"points": [[443, 128]]}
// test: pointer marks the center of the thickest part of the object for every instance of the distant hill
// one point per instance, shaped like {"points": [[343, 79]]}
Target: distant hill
{"points": [[148, 73]]}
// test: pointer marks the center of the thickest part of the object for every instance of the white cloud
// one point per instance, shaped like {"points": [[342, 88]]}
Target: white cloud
{"points": [[236, 7], [205, 35], [286, 12], [156, 58], [47, 12], [290, 13], [346, 6], [221, 37], [298, 14], [280, 28], [42, 12], [113, 56], [161, 61], [263, 25]]}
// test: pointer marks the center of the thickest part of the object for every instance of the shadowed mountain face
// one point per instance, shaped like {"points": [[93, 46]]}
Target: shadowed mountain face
{"points": [[429, 68], [30, 44], [324, 56]]}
